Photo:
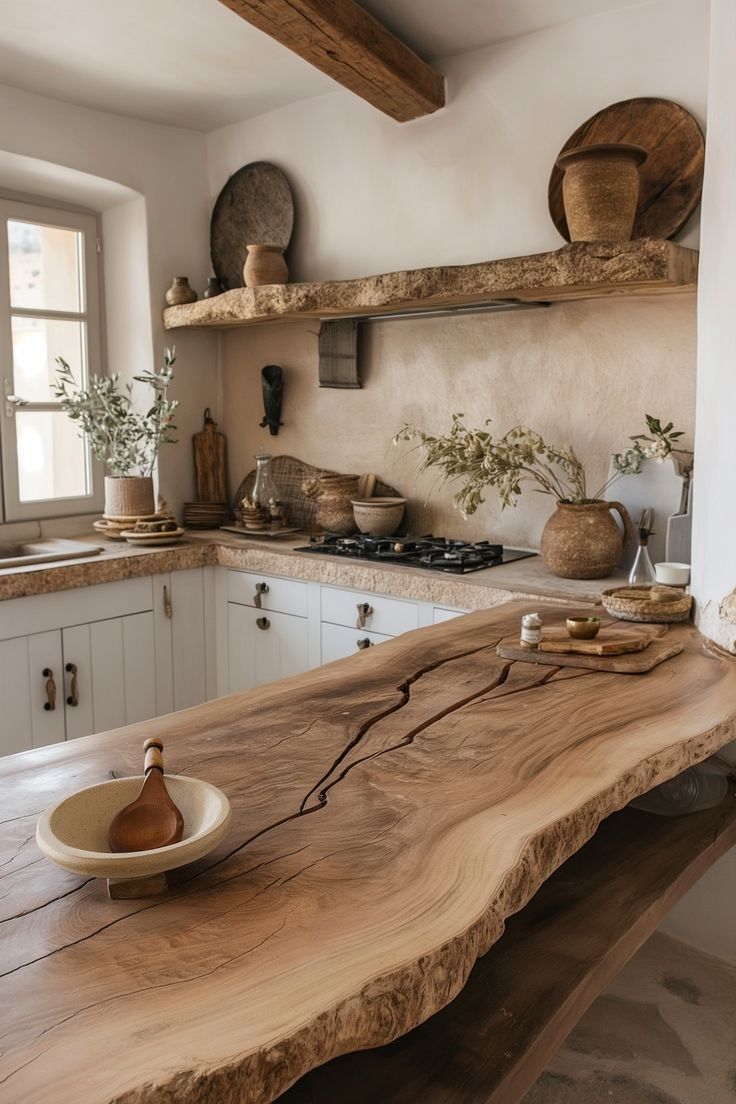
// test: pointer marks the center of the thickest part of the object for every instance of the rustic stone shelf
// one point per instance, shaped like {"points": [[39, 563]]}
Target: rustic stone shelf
{"points": [[581, 270]]}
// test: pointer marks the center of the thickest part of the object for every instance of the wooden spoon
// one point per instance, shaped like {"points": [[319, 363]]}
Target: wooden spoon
{"points": [[152, 819], [366, 486]]}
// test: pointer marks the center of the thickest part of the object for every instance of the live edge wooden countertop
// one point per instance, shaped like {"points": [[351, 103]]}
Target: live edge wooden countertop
{"points": [[390, 811]]}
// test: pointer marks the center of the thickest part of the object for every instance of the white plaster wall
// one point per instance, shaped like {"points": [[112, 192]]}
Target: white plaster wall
{"points": [[579, 372], [468, 183], [166, 166]]}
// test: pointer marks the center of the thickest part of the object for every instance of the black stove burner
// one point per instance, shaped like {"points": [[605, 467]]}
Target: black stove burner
{"points": [[433, 553]]}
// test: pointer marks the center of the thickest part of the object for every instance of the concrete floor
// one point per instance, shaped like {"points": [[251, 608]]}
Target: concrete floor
{"points": [[664, 1032]]}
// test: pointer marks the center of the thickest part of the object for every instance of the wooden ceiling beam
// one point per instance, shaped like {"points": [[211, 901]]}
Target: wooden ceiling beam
{"points": [[344, 41]]}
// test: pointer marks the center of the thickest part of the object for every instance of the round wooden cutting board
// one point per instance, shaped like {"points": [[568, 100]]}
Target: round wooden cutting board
{"points": [[671, 176], [255, 206]]}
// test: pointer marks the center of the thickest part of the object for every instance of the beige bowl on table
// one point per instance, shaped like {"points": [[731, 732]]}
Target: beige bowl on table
{"points": [[73, 833], [379, 517]]}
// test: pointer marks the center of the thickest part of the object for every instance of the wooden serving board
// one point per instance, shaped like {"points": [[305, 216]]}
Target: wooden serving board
{"points": [[611, 640], [635, 663]]}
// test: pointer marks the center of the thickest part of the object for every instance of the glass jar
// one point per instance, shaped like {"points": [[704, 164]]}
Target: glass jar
{"points": [[264, 491], [642, 571]]}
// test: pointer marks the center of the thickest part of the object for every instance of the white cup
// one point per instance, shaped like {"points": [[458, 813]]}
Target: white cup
{"points": [[672, 574]]}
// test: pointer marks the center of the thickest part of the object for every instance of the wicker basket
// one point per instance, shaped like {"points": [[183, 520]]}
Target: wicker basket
{"points": [[666, 605], [129, 496]]}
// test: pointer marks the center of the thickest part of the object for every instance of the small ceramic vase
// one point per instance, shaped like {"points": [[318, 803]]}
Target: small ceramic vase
{"points": [[214, 287], [601, 190], [180, 292], [265, 264]]}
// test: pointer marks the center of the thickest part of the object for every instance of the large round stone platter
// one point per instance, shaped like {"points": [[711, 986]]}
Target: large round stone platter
{"points": [[255, 206], [672, 175]]}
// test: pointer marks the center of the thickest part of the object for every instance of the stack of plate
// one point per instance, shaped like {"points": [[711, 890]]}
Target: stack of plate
{"points": [[204, 515], [150, 540], [114, 527]]}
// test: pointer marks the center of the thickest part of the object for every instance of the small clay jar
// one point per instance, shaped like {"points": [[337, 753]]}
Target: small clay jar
{"points": [[600, 190], [180, 292], [214, 287], [265, 264]]}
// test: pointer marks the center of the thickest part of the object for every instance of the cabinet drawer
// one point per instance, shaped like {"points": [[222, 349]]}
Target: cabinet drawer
{"points": [[282, 595], [262, 652], [339, 642], [389, 616], [441, 613]]}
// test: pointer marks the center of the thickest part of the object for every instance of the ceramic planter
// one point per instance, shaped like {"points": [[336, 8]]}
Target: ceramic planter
{"points": [[180, 292], [129, 496], [584, 542], [601, 190]]}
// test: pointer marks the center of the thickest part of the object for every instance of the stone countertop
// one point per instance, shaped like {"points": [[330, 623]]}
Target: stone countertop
{"points": [[476, 590]]}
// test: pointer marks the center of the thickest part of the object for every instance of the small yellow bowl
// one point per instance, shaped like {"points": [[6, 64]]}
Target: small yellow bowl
{"points": [[583, 628]]}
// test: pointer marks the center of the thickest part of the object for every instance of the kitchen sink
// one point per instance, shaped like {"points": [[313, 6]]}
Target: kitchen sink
{"points": [[44, 551]]}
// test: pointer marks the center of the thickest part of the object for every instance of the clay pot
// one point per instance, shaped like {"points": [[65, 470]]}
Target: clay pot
{"points": [[180, 292], [334, 494], [265, 264], [601, 190], [214, 287], [584, 542], [129, 496], [380, 517]]}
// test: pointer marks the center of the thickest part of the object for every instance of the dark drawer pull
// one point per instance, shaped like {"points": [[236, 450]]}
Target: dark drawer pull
{"points": [[263, 623], [261, 589], [364, 643]]}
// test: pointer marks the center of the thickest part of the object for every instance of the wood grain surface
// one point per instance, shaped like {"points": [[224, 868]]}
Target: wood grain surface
{"points": [[659, 649], [390, 811], [350, 45], [671, 178], [522, 998]]}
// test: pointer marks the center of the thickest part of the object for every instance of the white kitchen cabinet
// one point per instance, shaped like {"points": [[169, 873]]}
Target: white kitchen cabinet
{"points": [[70, 682], [442, 613], [31, 692], [365, 610], [339, 641], [181, 620], [264, 646]]}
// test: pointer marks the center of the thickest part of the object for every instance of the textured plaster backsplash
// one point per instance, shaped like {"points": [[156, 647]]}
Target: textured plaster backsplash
{"points": [[581, 373]]}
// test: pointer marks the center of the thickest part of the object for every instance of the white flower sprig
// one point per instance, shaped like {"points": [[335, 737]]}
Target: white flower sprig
{"points": [[125, 439]]}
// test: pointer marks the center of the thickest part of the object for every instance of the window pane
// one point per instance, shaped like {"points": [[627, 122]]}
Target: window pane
{"points": [[36, 342], [45, 267], [52, 458]]}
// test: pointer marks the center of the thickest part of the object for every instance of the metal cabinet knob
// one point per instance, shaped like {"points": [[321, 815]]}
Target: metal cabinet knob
{"points": [[261, 588], [168, 607], [364, 643], [50, 688], [73, 699], [263, 623], [364, 612]]}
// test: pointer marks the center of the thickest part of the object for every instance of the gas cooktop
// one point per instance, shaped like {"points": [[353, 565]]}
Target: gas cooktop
{"points": [[432, 553]]}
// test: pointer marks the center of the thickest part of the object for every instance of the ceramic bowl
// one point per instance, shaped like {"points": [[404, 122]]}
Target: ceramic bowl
{"points": [[380, 517], [672, 574], [583, 628], [73, 833]]}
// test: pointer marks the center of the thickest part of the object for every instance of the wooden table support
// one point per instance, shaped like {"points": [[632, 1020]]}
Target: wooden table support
{"points": [[556, 955]]}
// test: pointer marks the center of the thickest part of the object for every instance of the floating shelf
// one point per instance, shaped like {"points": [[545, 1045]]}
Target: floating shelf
{"points": [[581, 270]]}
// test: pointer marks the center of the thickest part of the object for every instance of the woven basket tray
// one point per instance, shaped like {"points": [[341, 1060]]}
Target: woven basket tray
{"points": [[676, 607], [289, 474]]}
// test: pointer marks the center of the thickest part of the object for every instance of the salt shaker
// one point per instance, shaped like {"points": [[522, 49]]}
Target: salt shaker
{"points": [[531, 630]]}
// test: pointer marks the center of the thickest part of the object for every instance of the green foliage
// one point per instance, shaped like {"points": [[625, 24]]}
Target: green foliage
{"points": [[125, 439], [521, 455]]}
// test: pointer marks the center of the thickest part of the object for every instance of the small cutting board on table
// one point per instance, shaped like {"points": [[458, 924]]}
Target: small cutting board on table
{"points": [[639, 649]]}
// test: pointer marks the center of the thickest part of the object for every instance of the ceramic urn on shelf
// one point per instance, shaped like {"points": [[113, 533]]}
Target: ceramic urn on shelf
{"points": [[265, 264], [600, 190]]}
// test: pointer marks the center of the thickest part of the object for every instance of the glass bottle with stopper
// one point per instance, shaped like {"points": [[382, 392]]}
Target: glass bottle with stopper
{"points": [[642, 571], [265, 495]]}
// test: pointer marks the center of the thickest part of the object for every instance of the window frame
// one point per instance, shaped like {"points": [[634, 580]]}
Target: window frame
{"points": [[42, 214]]}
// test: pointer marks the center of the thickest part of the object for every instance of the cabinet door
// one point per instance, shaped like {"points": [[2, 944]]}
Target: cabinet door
{"points": [[110, 674], [264, 646], [179, 615], [31, 692], [339, 642]]}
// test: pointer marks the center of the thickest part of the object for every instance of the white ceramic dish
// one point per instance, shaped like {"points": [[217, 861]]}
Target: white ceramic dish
{"points": [[171, 537], [672, 574], [73, 833]]}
